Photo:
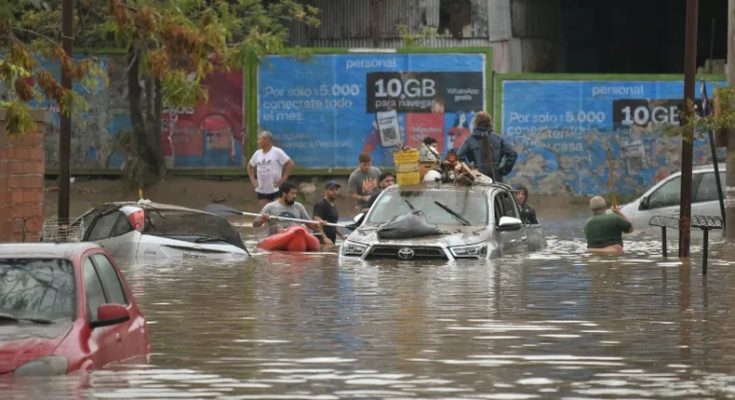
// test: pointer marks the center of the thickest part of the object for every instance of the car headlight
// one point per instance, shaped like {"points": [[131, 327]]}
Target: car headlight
{"points": [[44, 366], [470, 251], [353, 248]]}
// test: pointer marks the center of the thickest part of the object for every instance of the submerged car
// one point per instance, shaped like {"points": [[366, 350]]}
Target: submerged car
{"points": [[471, 222], [664, 197], [144, 230], [65, 307]]}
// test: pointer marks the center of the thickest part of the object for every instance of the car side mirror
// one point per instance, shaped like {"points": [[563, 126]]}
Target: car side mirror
{"points": [[509, 224], [644, 203], [358, 218], [110, 314]]}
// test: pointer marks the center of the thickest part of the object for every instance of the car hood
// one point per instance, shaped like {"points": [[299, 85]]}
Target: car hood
{"points": [[23, 342], [451, 236]]}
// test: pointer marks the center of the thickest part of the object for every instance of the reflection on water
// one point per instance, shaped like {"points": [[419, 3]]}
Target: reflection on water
{"points": [[555, 324]]}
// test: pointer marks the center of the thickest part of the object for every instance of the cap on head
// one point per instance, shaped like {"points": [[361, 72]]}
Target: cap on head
{"points": [[332, 185], [522, 188], [265, 134], [597, 203]]}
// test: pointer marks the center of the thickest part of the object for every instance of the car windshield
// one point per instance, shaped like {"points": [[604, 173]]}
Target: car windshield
{"points": [[190, 226], [36, 289], [446, 207]]}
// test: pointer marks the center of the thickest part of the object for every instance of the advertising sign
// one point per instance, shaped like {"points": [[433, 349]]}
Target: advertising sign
{"points": [[562, 130], [326, 110], [210, 134]]}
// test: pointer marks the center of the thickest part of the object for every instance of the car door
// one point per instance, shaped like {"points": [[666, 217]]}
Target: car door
{"points": [[114, 232], [664, 200], [102, 342], [706, 198], [130, 334], [511, 239], [102, 286]]}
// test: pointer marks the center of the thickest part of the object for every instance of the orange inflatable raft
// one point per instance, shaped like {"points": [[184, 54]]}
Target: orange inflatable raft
{"points": [[295, 238]]}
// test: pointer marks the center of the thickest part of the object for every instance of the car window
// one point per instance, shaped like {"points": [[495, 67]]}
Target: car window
{"points": [[109, 225], [190, 226], [92, 289], [707, 189], [667, 195], [504, 206], [110, 281], [37, 288], [435, 204]]}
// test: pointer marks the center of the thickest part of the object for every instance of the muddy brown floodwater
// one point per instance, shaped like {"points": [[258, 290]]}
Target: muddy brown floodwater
{"points": [[555, 324]]}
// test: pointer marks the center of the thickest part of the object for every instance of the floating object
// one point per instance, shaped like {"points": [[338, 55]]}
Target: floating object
{"points": [[295, 238]]}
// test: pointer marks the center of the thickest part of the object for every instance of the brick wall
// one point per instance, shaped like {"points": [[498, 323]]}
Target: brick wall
{"points": [[21, 184]]}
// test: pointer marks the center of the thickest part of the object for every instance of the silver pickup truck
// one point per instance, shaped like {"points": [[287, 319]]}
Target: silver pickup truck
{"points": [[471, 222]]}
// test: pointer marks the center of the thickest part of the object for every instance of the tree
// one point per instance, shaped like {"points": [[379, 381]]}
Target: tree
{"points": [[171, 46], [27, 38]]}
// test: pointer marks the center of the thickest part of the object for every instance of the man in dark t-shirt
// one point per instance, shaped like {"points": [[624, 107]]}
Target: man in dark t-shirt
{"points": [[325, 210]]}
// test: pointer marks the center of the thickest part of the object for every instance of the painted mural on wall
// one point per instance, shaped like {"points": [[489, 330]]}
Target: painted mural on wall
{"points": [[562, 131], [211, 134], [326, 110]]}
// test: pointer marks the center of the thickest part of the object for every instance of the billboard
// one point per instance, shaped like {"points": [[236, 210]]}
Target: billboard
{"points": [[210, 134], [327, 109], [562, 130]]}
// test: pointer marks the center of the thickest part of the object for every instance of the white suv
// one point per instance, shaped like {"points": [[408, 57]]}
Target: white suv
{"points": [[663, 198]]}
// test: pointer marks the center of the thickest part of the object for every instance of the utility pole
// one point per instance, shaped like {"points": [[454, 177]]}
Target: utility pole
{"points": [[687, 143], [730, 155], [65, 131]]}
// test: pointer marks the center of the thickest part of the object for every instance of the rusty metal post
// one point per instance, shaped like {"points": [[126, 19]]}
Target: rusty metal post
{"points": [[690, 70], [65, 125]]}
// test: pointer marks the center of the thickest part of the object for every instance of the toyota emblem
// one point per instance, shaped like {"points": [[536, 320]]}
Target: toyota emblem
{"points": [[405, 253]]}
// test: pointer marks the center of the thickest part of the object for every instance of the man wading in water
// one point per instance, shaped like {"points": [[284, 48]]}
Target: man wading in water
{"points": [[604, 231]]}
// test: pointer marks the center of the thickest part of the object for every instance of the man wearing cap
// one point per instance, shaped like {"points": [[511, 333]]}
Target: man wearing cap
{"points": [[604, 230], [325, 210]]}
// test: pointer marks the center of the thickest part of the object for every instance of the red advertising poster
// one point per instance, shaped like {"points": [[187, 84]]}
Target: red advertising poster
{"points": [[419, 126], [211, 134]]}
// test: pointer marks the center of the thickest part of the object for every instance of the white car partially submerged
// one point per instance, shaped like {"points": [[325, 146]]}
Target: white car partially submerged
{"points": [[469, 222], [144, 230], [664, 197]]}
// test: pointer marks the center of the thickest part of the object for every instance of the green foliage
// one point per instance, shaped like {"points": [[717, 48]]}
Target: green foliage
{"points": [[415, 39], [26, 29], [723, 118]]}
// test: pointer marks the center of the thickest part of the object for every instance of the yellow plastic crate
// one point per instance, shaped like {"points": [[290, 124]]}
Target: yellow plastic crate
{"points": [[406, 156], [408, 178]]}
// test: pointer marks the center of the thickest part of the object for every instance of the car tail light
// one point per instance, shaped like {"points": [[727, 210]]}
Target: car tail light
{"points": [[137, 220]]}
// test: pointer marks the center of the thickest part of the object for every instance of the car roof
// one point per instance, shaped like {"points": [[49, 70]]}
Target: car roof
{"points": [[447, 187], [147, 204], [44, 250]]}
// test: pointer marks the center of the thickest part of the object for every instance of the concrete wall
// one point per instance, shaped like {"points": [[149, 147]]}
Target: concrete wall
{"points": [[21, 184]]}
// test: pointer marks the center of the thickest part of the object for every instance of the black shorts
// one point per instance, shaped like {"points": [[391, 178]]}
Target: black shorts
{"points": [[269, 197]]}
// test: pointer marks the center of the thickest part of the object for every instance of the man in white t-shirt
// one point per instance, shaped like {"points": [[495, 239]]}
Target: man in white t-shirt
{"points": [[268, 168]]}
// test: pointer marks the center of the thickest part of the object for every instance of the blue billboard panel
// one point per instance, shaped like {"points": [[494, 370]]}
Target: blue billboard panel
{"points": [[325, 110], [562, 131]]}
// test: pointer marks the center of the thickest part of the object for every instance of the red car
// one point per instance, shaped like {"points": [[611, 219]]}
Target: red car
{"points": [[65, 307]]}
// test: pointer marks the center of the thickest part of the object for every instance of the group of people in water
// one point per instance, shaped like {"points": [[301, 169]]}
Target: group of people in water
{"points": [[487, 152]]}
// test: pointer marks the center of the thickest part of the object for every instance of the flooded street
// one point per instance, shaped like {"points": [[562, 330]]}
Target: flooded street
{"points": [[555, 324]]}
